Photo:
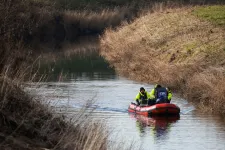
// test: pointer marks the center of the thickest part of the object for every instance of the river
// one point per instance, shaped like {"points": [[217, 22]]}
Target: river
{"points": [[112, 95], [91, 79]]}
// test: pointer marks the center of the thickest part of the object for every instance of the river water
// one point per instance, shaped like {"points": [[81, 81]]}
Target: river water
{"points": [[112, 94], [90, 79]]}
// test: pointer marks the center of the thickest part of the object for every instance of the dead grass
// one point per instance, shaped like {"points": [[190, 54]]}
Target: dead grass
{"points": [[26, 123], [97, 21], [207, 89], [173, 48]]}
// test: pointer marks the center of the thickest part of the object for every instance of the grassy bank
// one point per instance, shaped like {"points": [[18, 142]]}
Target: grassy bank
{"points": [[176, 48], [215, 14]]}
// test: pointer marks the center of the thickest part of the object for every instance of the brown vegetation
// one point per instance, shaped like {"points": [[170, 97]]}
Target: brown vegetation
{"points": [[174, 48], [25, 122], [39, 22]]}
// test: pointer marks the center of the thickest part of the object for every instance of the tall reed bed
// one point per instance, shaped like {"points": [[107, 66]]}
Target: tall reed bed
{"points": [[98, 21], [25, 121]]}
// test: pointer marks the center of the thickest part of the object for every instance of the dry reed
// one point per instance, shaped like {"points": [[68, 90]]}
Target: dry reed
{"points": [[27, 123], [174, 48]]}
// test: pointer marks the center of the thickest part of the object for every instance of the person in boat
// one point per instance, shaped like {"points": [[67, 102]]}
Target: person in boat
{"points": [[160, 95], [142, 97]]}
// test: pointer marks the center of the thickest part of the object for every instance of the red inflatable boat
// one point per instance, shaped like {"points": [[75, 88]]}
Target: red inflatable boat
{"points": [[157, 109]]}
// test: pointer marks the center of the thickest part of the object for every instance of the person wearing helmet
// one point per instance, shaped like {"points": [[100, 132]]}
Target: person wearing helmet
{"points": [[142, 97], [160, 94]]}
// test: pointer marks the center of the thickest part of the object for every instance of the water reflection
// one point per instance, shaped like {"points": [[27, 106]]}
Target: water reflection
{"points": [[159, 126], [80, 76], [90, 62], [112, 95]]}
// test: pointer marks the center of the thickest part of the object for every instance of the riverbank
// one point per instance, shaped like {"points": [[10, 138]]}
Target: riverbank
{"points": [[28, 124], [26, 121], [45, 25], [40, 24], [178, 48], [27, 27]]}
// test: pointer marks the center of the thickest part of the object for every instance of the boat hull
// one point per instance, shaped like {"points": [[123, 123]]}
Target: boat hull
{"points": [[157, 109]]}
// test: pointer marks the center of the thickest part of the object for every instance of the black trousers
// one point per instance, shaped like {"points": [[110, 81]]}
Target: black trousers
{"points": [[151, 102], [143, 101]]}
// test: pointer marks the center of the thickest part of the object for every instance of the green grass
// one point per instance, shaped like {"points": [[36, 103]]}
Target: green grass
{"points": [[216, 14]]}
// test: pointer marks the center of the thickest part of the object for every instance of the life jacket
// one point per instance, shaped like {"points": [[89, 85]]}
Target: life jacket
{"points": [[143, 96], [161, 93]]}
